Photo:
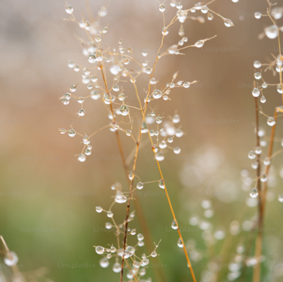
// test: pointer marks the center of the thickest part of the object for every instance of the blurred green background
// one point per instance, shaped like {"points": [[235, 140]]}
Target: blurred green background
{"points": [[48, 198]]}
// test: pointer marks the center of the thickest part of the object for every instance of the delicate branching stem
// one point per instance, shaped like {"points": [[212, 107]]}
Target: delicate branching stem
{"points": [[138, 206], [166, 192]]}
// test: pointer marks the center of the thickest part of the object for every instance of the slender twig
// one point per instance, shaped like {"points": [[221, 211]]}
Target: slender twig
{"points": [[14, 268], [256, 276], [262, 194]]}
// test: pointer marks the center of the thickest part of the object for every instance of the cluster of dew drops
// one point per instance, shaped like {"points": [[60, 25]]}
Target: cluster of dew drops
{"points": [[137, 264], [204, 9], [276, 67], [95, 55]]}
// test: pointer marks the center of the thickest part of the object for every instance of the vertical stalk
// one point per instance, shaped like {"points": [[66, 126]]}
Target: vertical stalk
{"points": [[256, 275], [258, 248]]}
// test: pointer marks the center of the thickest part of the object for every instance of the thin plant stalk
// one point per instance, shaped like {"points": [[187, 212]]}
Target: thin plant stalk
{"points": [[160, 172], [256, 276], [138, 207]]}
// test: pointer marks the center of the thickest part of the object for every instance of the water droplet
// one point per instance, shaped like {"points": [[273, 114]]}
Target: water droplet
{"points": [[251, 155], [72, 133], [80, 100], [89, 86], [71, 64], [11, 258], [254, 165], [257, 64], [254, 193], [131, 175], [92, 58], [173, 49], [94, 95], [158, 120], [115, 69], [276, 13], [186, 84], [280, 198], [120, 198], [271, 121], [144, 52], [210, 16], [94, 78], [182, 15], [257, 75], [204, 9], [177, 150], [162, 144], [98, 209], [180, 243], [262, 99], [174, 225], [161, 8], [86, 140], [161, 184], [103, 11], [62, 131], [144, 128], [136, 264], [82, 158], [157, 94], [173, 3], [140, 237], [139, 185], [271, 31], [179, 133], [116, 88], [69, 9], [199, 43], [176, 118], [159, 157], [179, 5], [228, 22], [165, 31], [256, 92], [263, 178], [99, 250], [154, 254], [266, 161], [257, 15], [104, 262], [117, 267], [280, 89], [65, 101], [81, 112], [258, 150]]}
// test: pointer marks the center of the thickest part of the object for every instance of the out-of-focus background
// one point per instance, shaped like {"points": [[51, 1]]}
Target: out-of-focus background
{"points": [[48, 198]]}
